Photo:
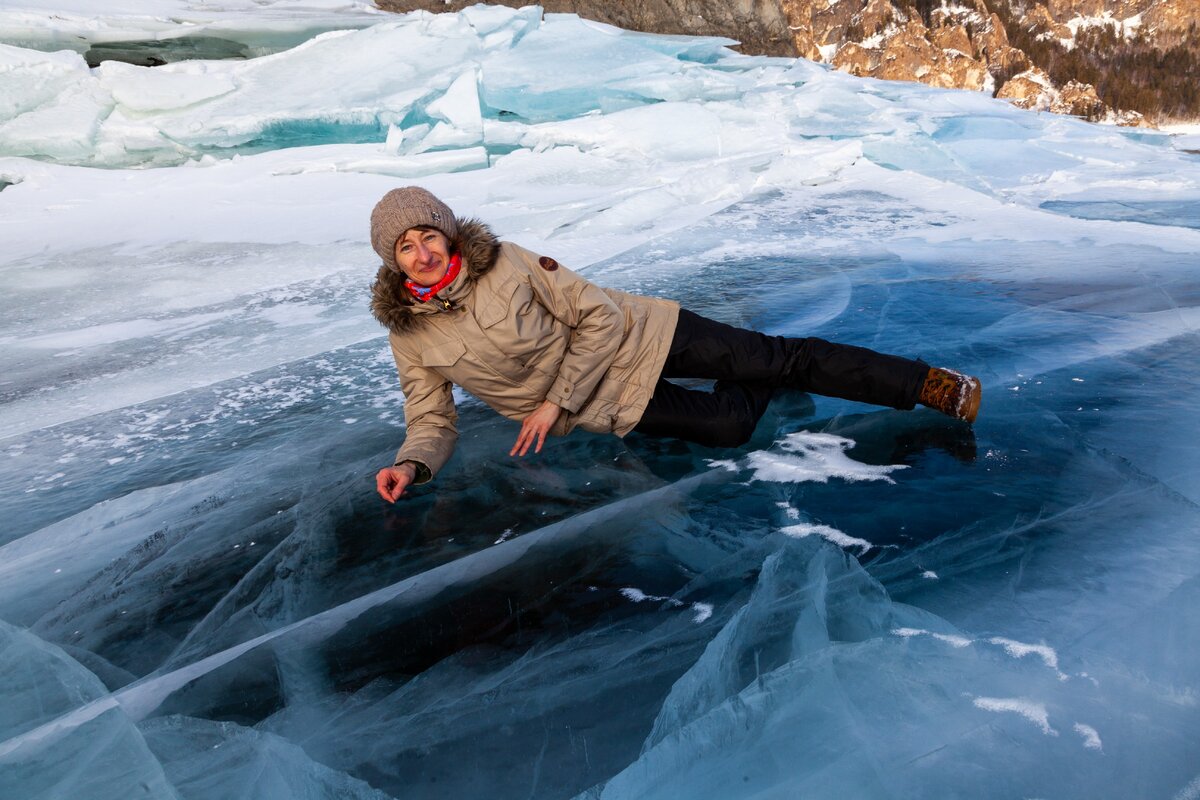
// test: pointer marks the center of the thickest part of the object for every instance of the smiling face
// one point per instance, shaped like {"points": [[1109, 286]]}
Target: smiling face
{"points": [[423, 254]]}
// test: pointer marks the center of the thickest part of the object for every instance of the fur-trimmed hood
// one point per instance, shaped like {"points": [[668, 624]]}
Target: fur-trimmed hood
{"points": [[393, 304]]}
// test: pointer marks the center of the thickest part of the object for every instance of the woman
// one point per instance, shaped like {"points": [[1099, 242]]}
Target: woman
{"points": [[543, 346]]}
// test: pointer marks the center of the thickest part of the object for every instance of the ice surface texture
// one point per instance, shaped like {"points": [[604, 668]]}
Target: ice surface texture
{"points": [[202, 597]]}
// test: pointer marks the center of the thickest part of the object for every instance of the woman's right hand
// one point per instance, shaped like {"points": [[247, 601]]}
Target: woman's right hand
{"points": [[393, 481]]}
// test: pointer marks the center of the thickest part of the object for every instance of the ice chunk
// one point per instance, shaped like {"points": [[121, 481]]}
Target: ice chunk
{"points": [[550, 73], [156, 31], [104, 757], [143, 91], [461, 122], [32, 79], [123, 114], [49, 105], [215, 760]]}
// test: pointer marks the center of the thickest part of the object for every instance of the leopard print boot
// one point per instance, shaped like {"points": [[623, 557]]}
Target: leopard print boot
{"points": [[952, 393]]}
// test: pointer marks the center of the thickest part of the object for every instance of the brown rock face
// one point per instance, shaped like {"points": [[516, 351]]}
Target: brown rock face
{"points": [[1170, 19], [1079, 100], [875, 17], [1033, 90], [1064, 10], [1163, 22], [1039, 19], [953, 37], [909, 52], [1030, 90], [832, 23], [852, 57], [799, 17]]}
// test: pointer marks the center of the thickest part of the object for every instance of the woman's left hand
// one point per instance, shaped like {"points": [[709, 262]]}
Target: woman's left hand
{"points": [[536, 426]]}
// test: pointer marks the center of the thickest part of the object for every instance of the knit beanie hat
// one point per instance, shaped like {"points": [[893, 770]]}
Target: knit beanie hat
{"points": [[404, 208]]}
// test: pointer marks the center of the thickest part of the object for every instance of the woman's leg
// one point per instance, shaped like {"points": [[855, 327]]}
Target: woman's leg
{"points": [[724, 417], [748, 365], [704, 348]]}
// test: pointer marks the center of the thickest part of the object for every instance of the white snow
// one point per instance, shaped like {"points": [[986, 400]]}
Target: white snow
{"points": [[1091, 738], [1020, 649], [951, 639], [700, 611], [1034, 712], [828, 533], [808, 456], [789, 510]]}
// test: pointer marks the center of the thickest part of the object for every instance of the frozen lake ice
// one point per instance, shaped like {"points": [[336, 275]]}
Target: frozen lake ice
{"points": [[201, 596]]}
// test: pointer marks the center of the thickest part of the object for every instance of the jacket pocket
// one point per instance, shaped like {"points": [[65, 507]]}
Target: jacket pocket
{"points": [[442, 354], [499, 304]]}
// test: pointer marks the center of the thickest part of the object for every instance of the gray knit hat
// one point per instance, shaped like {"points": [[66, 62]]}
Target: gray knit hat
{"points": [[404, 208]]}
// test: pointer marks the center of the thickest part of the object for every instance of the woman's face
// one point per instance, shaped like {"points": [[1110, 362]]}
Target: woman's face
{"points": [[423, 254]]}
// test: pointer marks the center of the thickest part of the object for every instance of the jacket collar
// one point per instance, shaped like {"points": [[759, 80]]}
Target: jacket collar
{"points": [[395, 307]]}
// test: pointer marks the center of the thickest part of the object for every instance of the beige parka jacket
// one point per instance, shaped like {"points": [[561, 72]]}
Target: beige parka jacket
{"points": [[514, 329]]}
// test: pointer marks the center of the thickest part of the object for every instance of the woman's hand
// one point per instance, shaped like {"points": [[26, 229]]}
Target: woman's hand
{"points": [[536, 426], [392, 481]]}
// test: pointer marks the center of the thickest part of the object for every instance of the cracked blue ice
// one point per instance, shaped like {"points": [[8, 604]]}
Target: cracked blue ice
{"points": [[201, 597]]}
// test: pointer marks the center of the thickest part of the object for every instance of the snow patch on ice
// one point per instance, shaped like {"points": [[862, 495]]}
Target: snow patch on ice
{"points": [[950, 639], [1091, 738], [700, 611], [815, 457], [833, 535], [1034, 712], [1189, 792], [1021, 649], [638, 596], [789, 510]]}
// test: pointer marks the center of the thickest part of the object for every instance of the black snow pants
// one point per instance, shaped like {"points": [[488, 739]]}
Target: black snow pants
{"points": [[748, 366]]}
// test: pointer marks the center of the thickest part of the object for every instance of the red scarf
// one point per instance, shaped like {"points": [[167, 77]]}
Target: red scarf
{"points": [[423, 293]]}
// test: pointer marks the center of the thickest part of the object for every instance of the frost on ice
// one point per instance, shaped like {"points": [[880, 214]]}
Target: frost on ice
{"points": [[201, 596]]}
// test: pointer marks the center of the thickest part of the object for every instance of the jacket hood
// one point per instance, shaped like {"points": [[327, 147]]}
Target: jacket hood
{"points": [[393, 304]]}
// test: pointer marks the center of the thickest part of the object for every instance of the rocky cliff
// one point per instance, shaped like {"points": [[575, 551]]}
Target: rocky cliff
{"points": [[1061, 56]]}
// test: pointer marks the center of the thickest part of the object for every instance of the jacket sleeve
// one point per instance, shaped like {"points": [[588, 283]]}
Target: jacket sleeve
{"points": [[597, 323], [429, 415]]}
